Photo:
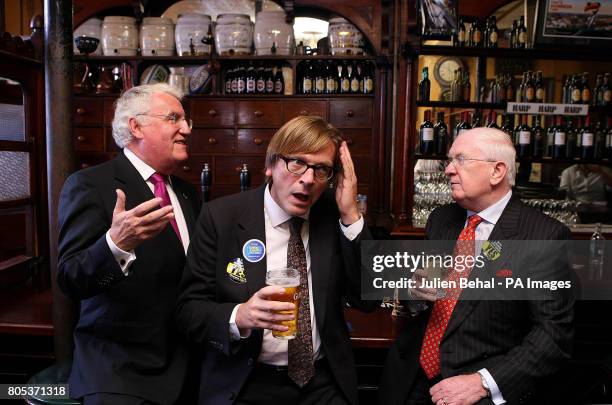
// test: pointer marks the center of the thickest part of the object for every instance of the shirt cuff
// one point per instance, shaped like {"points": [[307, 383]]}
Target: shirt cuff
{"points": [[353, 230], [496, 395], [124, 259], [233, 328]]}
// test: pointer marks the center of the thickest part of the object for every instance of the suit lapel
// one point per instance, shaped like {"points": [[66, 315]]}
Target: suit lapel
{"points": [[186, 204], [319, 232], [506, 228], [252, 226]]}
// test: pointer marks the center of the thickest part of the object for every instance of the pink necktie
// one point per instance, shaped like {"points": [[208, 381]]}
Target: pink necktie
{"points": [[160, 190], [443, 308]]}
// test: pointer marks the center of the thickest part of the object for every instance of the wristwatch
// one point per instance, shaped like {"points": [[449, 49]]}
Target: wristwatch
{"points": [[485, 385]]}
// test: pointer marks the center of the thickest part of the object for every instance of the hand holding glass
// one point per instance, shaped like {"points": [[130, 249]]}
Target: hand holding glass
{"points": [[289, 279]]}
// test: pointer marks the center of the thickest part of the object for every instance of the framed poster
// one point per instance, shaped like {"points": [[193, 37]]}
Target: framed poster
{"points": [[575, 22], [438, 18]]}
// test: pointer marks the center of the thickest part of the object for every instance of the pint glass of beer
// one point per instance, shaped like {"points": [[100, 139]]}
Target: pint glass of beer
{"points": [[289, 279]]}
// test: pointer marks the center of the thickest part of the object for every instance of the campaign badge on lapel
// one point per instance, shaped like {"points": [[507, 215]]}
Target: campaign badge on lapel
{"points": [[253, 250], [492, 250], [235, 271]]}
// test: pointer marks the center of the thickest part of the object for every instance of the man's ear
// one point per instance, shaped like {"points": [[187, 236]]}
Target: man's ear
{"points": [[499, 173], [135, 129]]}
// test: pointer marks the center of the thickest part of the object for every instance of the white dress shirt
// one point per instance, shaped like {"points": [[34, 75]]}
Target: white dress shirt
{"points": [[275, 351], [125, 259], [489, 216]]}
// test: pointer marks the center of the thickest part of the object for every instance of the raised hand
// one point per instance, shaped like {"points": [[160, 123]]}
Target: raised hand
{"points": [[346, 190]]}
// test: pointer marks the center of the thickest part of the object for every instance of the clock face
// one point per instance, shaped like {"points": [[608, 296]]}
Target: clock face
{"points": [[445, 70]]}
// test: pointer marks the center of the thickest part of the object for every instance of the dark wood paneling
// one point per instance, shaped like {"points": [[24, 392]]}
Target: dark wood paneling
{"points": [[87, 110], [254, 141], [211, 141], [351, 113], [294, 108], [259, 113], [192, 168], [212, 113], [89, 139], [359, 140], [227, 169]]}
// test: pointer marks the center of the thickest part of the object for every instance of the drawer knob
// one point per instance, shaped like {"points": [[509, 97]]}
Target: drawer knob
{"points": [[80, 110], [350, 113], [303, 112], [258, 141], [349, 141], [258, 113], [212, 140], [81, 138], [212, 112], [186, 168]]}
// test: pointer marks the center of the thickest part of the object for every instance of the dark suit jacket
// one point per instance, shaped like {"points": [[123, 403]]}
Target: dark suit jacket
{"points": [[208, 295], [518, 341], [125, 340]]}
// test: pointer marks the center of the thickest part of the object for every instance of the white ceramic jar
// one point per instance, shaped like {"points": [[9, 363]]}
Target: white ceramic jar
{"points": [[157, 37], [90, 28], [344, 37], [119, 36], [272, 29], [190, 30], [233, 34]]}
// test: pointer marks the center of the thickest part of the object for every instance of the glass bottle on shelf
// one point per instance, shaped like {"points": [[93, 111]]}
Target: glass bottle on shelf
{"points": [[516, 131], [355, 79], [426, 135], [368, 79], [539, 137], [456, 89], [466, 87], [461, 34], [307, 78], [524, 138], [550, 139], [260, 84], [441, 135], [521, 94], [269, 80], [598, 96], [475, 38], [508, 126], [464, 125], [509, 82], [345, 83], [540, 94], [241, 80], [566, 90], [424, 86], [530, 88], [476, 121], [606, 90], [330, 78], [513, 35], [279, 81], [229, 74], [493, 120], [559, 140], [587, 140], [575, 90], [571, 139], [251, 79], [599, 143], [608, 152], [586, 91], [320, 78], [521, 37], [492, 33]]}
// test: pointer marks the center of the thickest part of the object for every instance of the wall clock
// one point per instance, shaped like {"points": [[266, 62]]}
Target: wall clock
{"points": [[444, 70]]}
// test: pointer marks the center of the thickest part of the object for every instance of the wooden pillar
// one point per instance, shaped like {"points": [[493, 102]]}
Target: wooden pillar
{"points": [[61, 159]]}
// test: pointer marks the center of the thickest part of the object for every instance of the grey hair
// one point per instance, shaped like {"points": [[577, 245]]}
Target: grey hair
{"points": [[497, 145], [132, 102]]}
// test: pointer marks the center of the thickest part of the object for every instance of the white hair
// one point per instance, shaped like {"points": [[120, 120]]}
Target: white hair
{"points": [[496, 145], [133, 102]]}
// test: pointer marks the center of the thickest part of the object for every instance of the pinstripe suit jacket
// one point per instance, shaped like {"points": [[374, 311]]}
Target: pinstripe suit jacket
{"points": [[518, 342]]}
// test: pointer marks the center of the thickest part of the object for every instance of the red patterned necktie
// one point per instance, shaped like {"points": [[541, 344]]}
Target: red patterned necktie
{"points": [[160, 190], [443, 308], [301, 365]]}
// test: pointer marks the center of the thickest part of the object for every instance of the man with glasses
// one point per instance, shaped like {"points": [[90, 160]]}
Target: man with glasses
{"points": [[460, 350], [293, 220], [125, 226]]}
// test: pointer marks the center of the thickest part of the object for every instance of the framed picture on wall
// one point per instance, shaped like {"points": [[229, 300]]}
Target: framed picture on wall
{"points": [[574, 22], [438, 18]]}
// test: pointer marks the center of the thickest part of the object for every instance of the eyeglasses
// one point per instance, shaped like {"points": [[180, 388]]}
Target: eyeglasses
{"points": [[462, 160], [298, 166], [172, 118]]}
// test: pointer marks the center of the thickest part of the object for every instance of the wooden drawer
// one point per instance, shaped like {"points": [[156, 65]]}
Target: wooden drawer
{"points": [[89, 139], [363, 168], [87, 110], [191, 169], [260, 113], [211, 141], [359, 141], [212, 113], [227, 169], [294, 108], [86, 160], [253, 140], [351, 113]]}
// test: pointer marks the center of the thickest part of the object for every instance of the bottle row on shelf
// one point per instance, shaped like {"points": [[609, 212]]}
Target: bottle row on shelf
{"points": [[248, 79], [488, 36], [554, 137]]}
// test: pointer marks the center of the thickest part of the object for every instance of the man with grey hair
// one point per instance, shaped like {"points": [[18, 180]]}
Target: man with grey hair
{"points": [[125, 227], [465, 351]]}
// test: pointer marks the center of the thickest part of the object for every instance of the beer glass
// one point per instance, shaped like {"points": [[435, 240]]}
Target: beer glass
{"points": [[289, 279], [436, 272]]}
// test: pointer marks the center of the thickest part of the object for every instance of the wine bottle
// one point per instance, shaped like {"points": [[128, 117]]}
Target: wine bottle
{"points": [[355, 79], [513, 35], [493, 120], [475, 35], [464, 125], [521, 39], [368, 79], [492, 33], [576, 90], [330, 81], [441, 135], [586, 92], [524, 138], [571, 139], [424, 86], [598, 99], [566, 90], [606, 90], [307, 78], [550, 139], [559, 141], [456, 89], [426, 136], [320, 78], [461, 34], [599, 146], [539, 137], [509, 87], [530, 88], [587, 140], [345, 83], [508, 126], [540, 94]]}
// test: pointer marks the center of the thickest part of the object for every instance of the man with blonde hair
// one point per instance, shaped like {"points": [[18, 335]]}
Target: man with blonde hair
{"points": [[124, 227], [293, 220], [463, 350]]}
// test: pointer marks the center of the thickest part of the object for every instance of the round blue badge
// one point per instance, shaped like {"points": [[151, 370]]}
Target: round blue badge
{"points": [[253, 250]]}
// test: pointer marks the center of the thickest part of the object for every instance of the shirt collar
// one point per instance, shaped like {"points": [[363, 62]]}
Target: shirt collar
{"points": [[276, 214], [491, 214], [143, 169]]}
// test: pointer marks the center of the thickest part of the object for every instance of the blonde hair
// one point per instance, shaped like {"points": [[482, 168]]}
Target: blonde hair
{"points": [[302, 135]]}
